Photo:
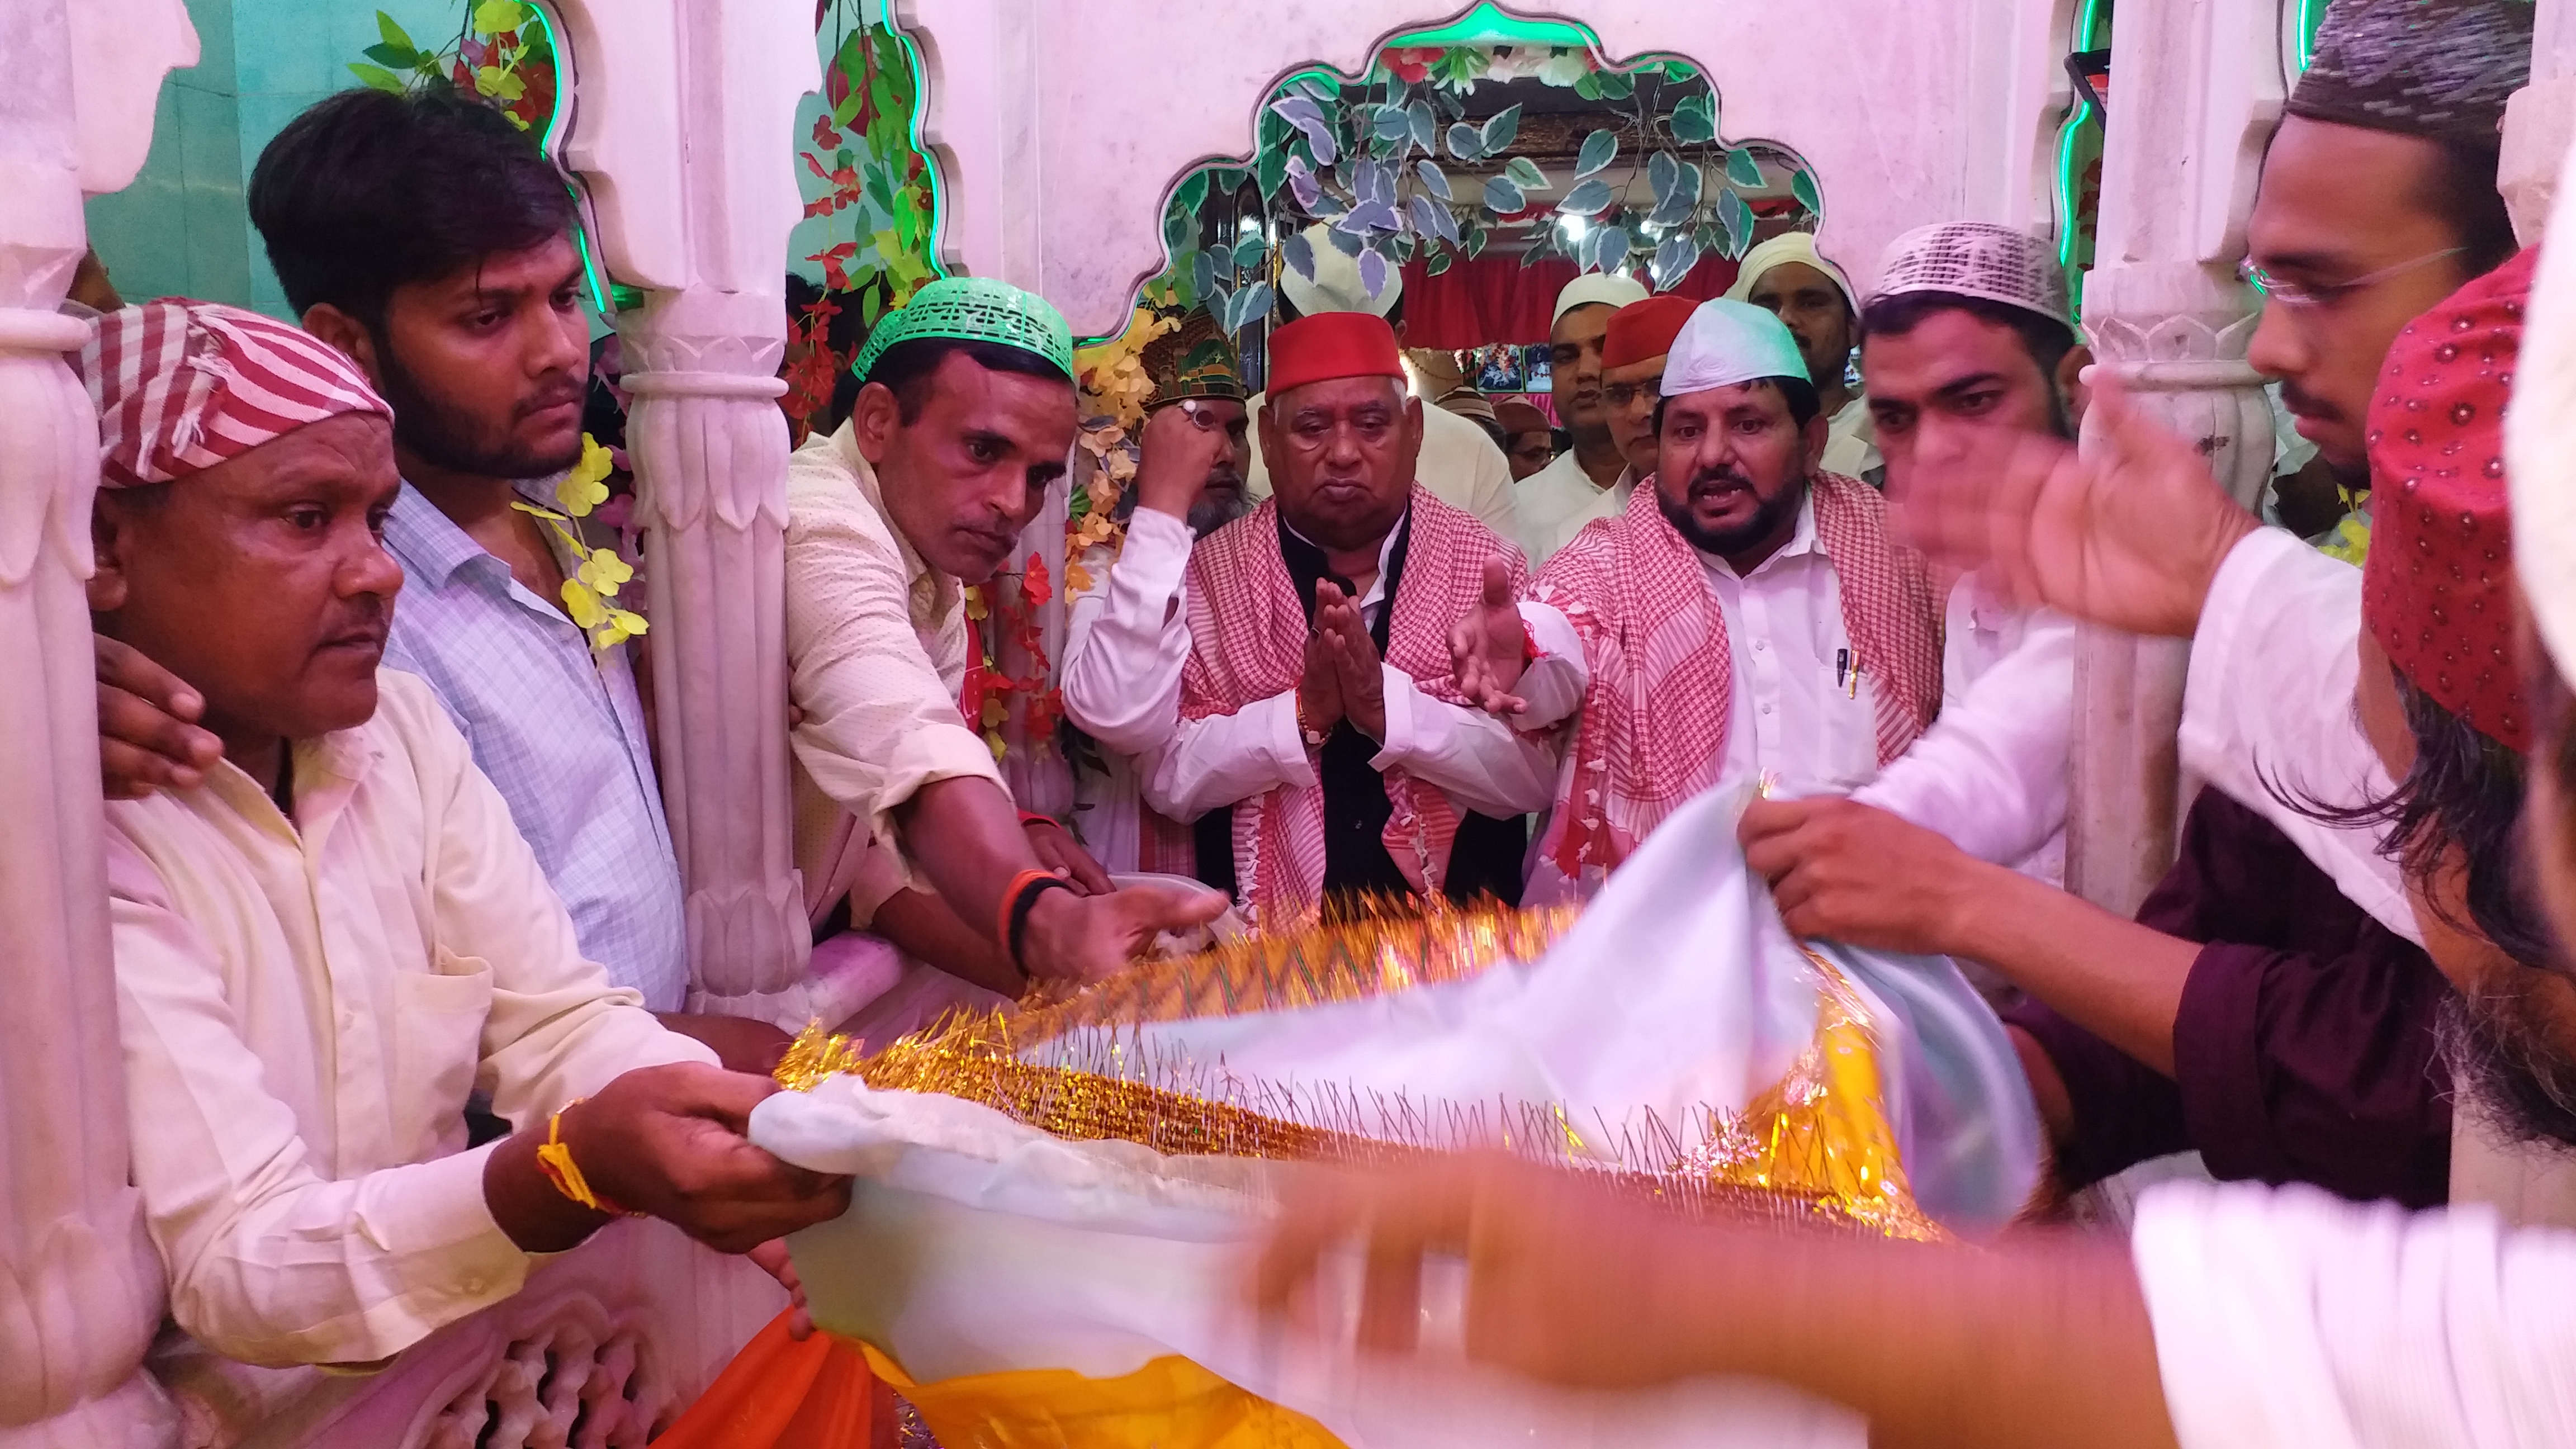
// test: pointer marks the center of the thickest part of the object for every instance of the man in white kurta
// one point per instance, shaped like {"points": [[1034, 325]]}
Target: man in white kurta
{"points": [[1125, 636], [1316, 703], [326, 946], [1787, 276], [1590, 479]]}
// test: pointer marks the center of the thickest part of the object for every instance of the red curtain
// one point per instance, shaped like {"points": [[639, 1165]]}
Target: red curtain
{"points": [[1484, 300]]}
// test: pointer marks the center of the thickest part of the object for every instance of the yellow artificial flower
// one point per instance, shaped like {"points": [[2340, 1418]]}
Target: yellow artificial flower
{"points": [[605, 571], [622, 625], [586, 486], [582, 604], [975, 608], [1077, 579]]}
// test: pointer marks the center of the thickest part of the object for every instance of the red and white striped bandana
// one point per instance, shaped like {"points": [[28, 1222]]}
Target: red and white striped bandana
{"points": [[181, 386]]}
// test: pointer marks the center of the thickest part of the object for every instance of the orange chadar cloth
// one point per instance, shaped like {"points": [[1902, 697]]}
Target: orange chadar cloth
{"points": [[781, 1394]]}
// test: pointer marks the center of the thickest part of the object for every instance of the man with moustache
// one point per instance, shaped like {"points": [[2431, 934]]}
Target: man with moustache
{"points": [[1593, 469], [1127, 637], [1746, 617], [964, 418], [1316, 699], [337, 933], [1787, 277]]}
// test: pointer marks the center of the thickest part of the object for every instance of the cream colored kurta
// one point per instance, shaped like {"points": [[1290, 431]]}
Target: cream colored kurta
{"points": [[304, 1008], [1559, 499], [877, 645]]}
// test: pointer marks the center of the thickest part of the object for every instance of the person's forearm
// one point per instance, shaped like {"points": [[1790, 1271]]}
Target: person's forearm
{"points": [[526, 1205], [2044, 1344], [2115, 978], [924, 927], [964, 838]]}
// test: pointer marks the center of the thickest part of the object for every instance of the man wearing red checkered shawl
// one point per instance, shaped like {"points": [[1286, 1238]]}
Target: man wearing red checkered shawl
{"points": [[1316, 703], [1747, 615]]}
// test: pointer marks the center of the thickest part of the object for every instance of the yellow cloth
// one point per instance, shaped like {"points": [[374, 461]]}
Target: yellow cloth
{"points": [[1170, 1403], [877, 646], [304, 1008]]}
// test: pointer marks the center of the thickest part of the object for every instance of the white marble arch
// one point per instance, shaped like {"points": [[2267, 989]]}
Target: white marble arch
{"points": [[1061, 126]]}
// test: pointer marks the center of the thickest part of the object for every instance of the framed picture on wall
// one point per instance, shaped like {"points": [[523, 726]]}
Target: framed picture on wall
{"points": [[1498, 369], [1538, 371]]}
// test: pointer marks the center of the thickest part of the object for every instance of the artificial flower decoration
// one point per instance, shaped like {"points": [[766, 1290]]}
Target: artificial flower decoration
{"points": [[601, 572]]}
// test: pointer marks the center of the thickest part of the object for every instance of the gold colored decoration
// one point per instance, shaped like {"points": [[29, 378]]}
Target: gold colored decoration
{"points": [[1815, 1152]]}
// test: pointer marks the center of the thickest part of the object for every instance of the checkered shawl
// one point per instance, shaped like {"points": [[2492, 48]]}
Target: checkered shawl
{"points": [[1652, 732], [181, 386], [1248, 643]]}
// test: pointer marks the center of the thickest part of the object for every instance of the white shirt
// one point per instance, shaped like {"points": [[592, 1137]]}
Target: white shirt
{"points": [[304, 1008], [1557, 500], [1796, 710], [1851, 441], [1124, 645], [2287, 1317], [1991, 771], [1459, 464], [2268, 702], [1482, 764]]}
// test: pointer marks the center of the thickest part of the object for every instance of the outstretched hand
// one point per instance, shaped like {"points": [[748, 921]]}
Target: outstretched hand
{"points": [[1488, 649], [669, 1141], [1843, 871], [2130, 536], [1084, 938]]}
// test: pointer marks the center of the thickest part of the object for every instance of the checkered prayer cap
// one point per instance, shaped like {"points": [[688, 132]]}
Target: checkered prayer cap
{"points": [[973, 309], [2439, 69], [181, 386], [1977, 259]]}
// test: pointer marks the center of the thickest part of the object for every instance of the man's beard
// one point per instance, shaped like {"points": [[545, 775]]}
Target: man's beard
{"points": [[2504, 1069], [1727, 543], [1224, 501], [446, 437]]}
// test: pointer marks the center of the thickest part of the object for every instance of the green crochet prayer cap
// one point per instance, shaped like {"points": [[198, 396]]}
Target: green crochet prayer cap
{"points": [[974, 309]]}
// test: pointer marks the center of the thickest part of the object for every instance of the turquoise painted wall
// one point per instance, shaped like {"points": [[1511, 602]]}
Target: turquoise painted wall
{"points": [[181, 229]]}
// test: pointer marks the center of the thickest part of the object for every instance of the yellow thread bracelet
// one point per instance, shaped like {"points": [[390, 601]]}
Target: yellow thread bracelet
{"points": [[554, 1158]]}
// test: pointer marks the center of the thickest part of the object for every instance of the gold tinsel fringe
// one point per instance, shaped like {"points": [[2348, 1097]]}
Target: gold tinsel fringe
{"points": [[1814, 1152]]}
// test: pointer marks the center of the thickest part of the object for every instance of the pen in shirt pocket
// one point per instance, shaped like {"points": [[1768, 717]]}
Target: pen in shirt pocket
{"points": [[1842, 666]]}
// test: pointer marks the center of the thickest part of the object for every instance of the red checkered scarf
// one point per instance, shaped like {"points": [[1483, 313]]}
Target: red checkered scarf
{"points": [[1248, 643], [1653, 729], [181, 386]]}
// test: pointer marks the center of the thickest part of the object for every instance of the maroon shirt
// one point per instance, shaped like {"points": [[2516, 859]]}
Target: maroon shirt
{"points": [[2304, 1046]]}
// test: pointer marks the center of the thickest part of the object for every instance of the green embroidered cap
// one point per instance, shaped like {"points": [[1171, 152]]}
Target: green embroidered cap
{"points": [[973, 309], [1193, 360]]}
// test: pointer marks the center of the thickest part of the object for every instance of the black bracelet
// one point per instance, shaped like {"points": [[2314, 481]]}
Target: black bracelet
{"points": [[1021, 905]]}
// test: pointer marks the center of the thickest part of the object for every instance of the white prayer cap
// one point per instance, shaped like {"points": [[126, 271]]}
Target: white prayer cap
{"points": [[1788, 246], [1727, 342], [1611, 289], [1977, 259], [1337, 286]]}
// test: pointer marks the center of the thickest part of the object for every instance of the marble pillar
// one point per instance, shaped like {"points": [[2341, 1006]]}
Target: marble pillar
{"points": [[2169, 318], [80, 1287]]}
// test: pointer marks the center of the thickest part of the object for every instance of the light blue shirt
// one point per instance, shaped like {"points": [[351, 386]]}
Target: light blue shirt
{"points": [[559, 730]]}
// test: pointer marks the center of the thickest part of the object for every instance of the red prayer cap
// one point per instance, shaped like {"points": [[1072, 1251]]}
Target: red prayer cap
{"points": [[1645, 329], [2437, 590], [1330, 345]]}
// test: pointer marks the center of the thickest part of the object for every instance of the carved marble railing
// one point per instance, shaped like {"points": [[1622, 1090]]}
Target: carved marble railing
{"points": [[602, 1350]]}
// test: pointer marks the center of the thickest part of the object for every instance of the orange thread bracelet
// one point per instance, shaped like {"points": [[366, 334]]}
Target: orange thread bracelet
{"points": [[554, 1159]]}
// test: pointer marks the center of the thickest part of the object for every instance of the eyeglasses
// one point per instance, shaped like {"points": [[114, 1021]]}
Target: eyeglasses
{"points": [[2291, 294], [1625, 394]]}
